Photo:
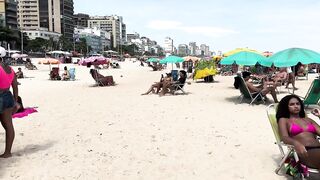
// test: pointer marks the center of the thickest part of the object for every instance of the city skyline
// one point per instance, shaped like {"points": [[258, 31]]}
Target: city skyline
{"points": [[264, 25]]}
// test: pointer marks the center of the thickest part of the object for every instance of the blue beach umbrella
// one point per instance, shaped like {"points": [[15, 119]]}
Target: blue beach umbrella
{"points": [[243, 58], [291, 57]]}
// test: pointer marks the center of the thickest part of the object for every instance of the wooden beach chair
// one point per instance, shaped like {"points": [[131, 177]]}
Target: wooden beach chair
{"points": [[245, 93], [271, 113]]}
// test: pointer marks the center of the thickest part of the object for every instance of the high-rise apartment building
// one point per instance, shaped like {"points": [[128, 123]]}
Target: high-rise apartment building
{"points": [[205, 51], [61, 17], [130, 37], [168, 45], [183, 50], [81, 20], [193, 48], [113, 24], [28, 15], [8, 14], [53, 15]]}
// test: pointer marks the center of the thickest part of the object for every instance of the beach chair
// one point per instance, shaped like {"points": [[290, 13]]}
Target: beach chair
{"points": [[177, 87], [54, 74], [313, 95], [72, 72], [102, 80], [304, 74], [175, 75], [271, 113], [245, 93]]}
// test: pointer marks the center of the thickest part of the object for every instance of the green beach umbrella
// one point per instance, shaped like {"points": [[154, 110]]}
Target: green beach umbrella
{"points": [[171, 59], [291, 57], [243, 58], [153, 60]]}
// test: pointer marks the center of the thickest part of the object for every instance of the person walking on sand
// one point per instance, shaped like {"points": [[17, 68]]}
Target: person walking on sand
{"points": [[7, 104]]}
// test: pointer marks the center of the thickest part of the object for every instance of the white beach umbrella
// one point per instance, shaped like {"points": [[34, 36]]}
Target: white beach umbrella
{"points": [[2, 52]]}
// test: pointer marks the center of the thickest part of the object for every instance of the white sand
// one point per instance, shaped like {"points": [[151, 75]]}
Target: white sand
{"points": [[114, 133]]}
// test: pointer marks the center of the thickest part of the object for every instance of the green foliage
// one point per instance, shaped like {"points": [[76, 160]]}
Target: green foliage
{"points": [[65, 44], [37, 45], [202, 64]]}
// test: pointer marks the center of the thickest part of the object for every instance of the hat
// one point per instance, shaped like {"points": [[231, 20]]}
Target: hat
{"points": [[246, 74]]}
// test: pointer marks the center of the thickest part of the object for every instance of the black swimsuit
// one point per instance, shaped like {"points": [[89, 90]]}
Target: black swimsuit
{"points": [[312, 147]]}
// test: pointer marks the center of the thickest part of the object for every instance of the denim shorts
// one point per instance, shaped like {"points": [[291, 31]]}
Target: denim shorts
{"points": [[6, 101]]}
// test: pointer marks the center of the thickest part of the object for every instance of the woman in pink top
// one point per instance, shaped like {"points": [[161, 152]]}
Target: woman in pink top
{"points": [[298, 130], [7, 103]]}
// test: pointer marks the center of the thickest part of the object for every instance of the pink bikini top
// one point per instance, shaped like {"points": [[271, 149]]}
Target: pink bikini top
{"points": [[296, 129], [6, 79]]}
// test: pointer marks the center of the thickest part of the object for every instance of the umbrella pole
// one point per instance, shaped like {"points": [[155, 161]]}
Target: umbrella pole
{"points": [[172, 66]]}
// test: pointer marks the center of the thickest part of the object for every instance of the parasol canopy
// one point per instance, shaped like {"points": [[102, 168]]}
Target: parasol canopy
{"points": [[243, 58], [291, 57], [229, 53], [95, 60]]}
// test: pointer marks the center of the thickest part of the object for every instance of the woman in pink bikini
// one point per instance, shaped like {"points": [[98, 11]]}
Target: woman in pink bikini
{"points": [[298, 130], [7, 103]]}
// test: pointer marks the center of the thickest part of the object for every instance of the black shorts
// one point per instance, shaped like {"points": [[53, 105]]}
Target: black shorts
{"points": [[6, 101]]}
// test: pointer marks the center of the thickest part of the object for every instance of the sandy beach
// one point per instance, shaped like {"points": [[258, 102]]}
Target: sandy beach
{"points": [[114, 133]]}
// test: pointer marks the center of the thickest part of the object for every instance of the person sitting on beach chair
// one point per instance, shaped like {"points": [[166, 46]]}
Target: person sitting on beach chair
{"points": [[265, 88], [299, 131], [29, 65], [281, 77], [100, 79], [174, 85], [156, 87], [19, 73], [65, 75]]}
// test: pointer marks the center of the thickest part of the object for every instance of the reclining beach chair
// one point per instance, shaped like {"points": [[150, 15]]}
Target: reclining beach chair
{"points": [[245, 93], [304, 74], [102, 80], [72, 72], [271, 113], [313, 94]]}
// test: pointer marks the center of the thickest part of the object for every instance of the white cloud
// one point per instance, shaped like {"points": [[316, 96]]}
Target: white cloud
{"points": [[200, 30]]}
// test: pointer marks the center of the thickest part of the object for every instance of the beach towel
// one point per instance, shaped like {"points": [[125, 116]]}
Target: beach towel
{"points": [[24, 113]]}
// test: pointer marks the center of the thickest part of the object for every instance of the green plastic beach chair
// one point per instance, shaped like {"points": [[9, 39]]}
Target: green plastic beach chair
{"points": [[271, 113], [313, 95], [245, 93]]}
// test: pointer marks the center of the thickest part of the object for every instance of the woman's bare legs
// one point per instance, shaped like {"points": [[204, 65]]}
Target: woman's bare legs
{"points": [[151, 89], [313, 159], [6, 121]]}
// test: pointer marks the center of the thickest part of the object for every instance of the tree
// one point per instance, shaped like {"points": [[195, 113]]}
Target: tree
{"points": [[83, 47], [37, 45], [65, 44]]}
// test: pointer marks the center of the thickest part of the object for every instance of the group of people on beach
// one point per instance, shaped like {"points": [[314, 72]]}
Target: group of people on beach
{"points": [[295, 127], [166, 84]]}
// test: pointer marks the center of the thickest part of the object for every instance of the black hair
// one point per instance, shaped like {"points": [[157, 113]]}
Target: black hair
{"points": [[65, 68], [184, 73], [283, 109], [245, 74], [89, 64]]}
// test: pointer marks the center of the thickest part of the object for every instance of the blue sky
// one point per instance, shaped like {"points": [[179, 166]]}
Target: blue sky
{"points": [[223, 25]]}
